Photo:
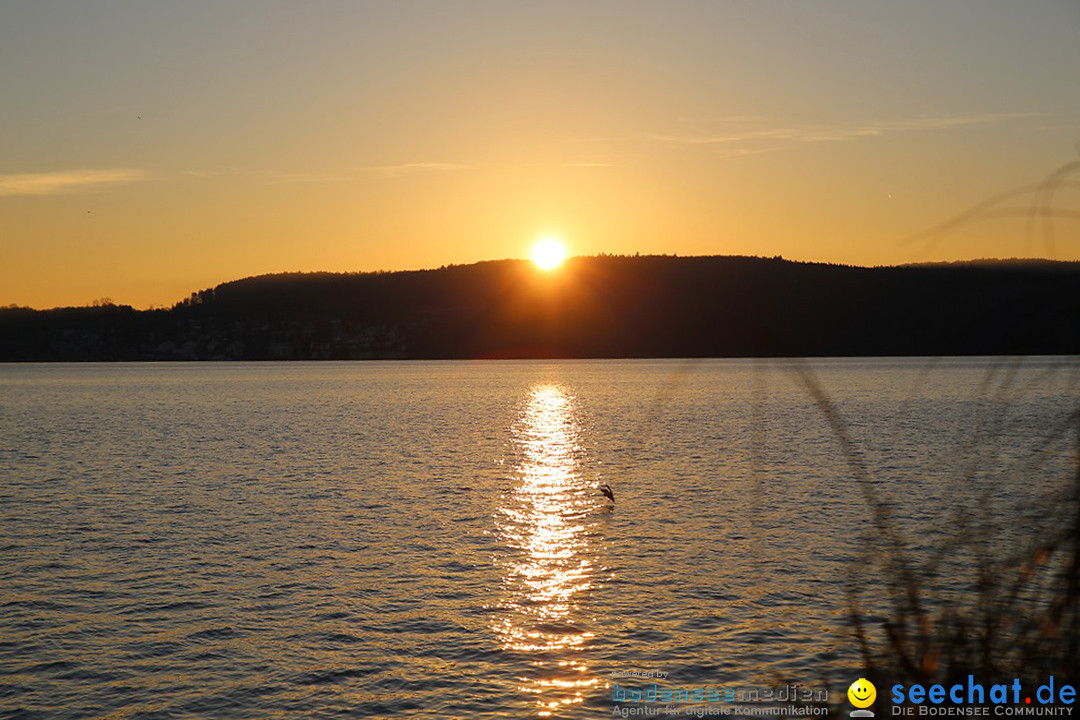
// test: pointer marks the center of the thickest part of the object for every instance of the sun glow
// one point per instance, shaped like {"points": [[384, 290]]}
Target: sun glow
{"points": [[548, 254]]}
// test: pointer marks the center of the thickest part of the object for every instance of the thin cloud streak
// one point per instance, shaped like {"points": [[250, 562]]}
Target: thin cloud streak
{"points": [[298, 177], [582, 164], [352, 174], [396, 170], [833, 133], [359, 173], [389, 171], [61, 182]]}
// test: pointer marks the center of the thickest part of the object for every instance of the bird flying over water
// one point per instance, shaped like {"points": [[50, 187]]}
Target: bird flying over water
{"points": [[606, 489]]}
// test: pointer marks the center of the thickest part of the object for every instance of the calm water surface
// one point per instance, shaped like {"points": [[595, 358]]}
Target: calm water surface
{"points": [[427, 539]]}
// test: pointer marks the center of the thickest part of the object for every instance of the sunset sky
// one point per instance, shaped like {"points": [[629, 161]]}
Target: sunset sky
{"points": [[154, 148]]}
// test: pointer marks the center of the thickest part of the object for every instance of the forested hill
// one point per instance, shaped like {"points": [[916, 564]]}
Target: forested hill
{"points": [[655, 306]]}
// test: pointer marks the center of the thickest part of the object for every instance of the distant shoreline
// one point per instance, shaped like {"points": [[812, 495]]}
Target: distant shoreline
{"points": [[791, 358], [597, 307]]}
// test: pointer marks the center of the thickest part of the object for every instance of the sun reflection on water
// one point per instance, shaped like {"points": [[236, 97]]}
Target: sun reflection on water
{"points": [[547, 523]]}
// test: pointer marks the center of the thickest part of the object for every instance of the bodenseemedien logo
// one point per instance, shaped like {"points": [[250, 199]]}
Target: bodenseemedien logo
{"points": [[862, 695]]}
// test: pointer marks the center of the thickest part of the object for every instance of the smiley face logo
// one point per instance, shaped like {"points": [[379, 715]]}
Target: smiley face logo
{"points": [[862, 693]]}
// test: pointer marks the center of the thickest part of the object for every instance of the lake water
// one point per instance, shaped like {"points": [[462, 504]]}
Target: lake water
{"points": [[427, 539]]}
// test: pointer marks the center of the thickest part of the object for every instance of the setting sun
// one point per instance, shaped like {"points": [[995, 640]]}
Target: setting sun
{"points": [[548, 254]]}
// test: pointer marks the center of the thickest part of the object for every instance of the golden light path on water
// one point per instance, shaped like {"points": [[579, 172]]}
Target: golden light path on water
{"points": [[548, 523]]}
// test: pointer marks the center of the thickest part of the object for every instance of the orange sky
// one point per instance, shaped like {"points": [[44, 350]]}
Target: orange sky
{"points": [[153, 150]]}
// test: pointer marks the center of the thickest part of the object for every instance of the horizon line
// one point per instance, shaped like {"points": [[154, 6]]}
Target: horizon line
{"points": [[107, 301]]}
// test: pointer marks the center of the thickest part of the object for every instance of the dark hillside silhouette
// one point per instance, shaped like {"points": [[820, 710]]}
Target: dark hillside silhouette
{"points": [[605, 306]]}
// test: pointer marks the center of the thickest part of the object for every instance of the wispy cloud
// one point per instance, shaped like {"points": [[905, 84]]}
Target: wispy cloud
{"points": [[579, 164], [214, 173], [356, 174], [60, 182], [402, 169], [306, 177], [743, 130], [352, 174], [589, 164], [343, 175]]}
